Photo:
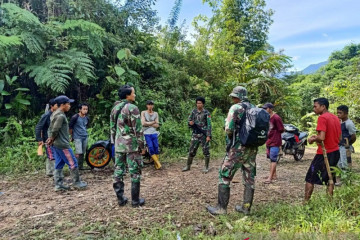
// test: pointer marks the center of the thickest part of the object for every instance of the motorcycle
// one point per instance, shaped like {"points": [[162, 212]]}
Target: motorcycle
{"points": [[293, 142], [101, 152]]}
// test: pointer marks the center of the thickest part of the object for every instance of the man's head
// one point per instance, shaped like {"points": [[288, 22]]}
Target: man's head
{"points": [[239, 94], [53, 105], [321, 105], [342, 112], [127, 92], [63, 102], [269, 107], [83, 108], [200, 101], [149, 105]]}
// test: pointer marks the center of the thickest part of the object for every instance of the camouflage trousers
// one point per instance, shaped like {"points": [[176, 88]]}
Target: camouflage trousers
{"points": [[196, 139], [133, 161], [241, 157]]}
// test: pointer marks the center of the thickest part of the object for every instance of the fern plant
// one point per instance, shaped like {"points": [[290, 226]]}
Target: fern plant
{"points": [[56, 71]]}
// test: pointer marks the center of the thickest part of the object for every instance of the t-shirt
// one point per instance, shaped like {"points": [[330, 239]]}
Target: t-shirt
{"points": [[275, 130], [79, 130], [149, 118], [330, 124], [347, 130]]}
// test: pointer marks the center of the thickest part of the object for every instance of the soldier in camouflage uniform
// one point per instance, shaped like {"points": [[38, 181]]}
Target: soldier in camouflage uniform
{"points": [[127, 135], [199, 120], [238, 156]]}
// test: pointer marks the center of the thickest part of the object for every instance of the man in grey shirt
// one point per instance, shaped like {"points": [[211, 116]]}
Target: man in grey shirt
{"points": [[77, 128], [59, 138], [150, 121]]}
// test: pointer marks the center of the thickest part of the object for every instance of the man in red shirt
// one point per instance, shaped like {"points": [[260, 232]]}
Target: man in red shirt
{"points": [[329, 131], [273, 143]]}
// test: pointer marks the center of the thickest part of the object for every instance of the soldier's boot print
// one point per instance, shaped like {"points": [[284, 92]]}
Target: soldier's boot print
{"points": [[77, 183], [223, 201], [206, 168], [188, 164], [119, 190], [50, 167], [248, 200], [157, 163], [58, 179], [135, 193]]}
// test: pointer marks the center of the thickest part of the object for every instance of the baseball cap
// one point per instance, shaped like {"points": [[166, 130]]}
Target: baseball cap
{"points": [[268, 105], [63, 99]]}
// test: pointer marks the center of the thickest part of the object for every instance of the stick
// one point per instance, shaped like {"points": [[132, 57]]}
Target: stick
{"points": [[42, 215], [326, 160]]}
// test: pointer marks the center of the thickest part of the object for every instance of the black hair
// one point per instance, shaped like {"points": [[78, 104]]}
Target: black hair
{"points": [[124, 91], [82, 104], [201, 99], [343, 108], [322, 101], [52, 102]]}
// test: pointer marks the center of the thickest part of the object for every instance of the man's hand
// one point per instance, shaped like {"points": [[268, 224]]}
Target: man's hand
{"points": [[191, 123], [208, 139], [312, 139], [50, 141], [143, 152], [40, 143]]}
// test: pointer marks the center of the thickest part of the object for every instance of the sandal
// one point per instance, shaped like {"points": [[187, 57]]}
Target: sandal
{"points": [[267, 182]]}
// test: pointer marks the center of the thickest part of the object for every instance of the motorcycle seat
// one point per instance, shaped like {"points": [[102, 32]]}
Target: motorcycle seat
{"points": [[303, 135]]}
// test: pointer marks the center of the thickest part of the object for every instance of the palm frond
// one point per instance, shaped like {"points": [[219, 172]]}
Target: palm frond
{"points": [[10, 41]]}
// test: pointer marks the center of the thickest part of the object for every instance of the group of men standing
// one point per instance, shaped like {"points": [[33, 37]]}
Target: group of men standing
{"points": [[129, 128]]}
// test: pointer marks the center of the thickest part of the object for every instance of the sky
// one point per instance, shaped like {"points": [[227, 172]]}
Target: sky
{"points": [[308, 30]]}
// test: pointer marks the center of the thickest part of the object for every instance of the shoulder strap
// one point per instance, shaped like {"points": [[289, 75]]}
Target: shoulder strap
{"points": [[118, 113]]}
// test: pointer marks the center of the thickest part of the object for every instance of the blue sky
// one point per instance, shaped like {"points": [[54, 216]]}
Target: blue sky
{"points": [[308, 30]]}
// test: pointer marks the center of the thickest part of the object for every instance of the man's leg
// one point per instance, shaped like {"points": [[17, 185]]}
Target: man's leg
{"points": [[58, 172], [135, 163], [79, 152], [155, 142], [206, 151], [248, 169], [194, 145], [226, 173], [50, 161], [71, 161], [273, 155], [118, 182], [309, 188]]}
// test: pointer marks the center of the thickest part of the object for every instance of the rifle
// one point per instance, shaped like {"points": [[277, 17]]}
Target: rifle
{"points": [[198, 130]]}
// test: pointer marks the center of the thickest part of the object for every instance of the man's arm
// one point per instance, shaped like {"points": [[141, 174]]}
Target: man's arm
{"points": [[135, 121], [208, 130], [280, 125], [72, 123], [39, 128], [156, 122], [56, 126], [191, 118], [144, 122]]}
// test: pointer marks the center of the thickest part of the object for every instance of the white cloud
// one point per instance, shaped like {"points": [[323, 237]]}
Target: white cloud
{"points": [[325, 35], [295, 58]]}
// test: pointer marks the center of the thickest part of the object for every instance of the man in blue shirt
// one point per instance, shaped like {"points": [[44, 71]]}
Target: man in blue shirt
{"points": [[41, 134], [77, 128]]}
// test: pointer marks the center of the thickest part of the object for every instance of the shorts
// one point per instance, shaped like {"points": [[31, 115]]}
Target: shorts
{"points": [[272, 152], [317, 173], [80, 145]]}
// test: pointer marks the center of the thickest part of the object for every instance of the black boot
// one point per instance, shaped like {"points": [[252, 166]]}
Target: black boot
{"points": [[248, 200], [188, 164], [119, 190], [206, 168], [135, 193], [223, 201]]}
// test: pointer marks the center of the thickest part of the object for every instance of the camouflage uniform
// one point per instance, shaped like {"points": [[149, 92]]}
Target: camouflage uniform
{"points": [[203, 121], [128, 137], [237, 157]]}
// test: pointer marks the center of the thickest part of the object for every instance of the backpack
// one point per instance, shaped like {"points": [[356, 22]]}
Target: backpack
{"points": [[254, 126]]}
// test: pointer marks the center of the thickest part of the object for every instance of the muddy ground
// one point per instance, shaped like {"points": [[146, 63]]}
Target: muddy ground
{"points": [[29, 207]]}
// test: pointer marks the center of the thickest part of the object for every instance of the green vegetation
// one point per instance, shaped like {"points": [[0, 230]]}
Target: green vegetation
{"points": [[86, 49]]}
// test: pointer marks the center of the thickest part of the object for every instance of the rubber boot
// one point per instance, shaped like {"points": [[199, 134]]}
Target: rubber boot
{"points": [[248, 200], [223, 201], [206, 168], [77, 183], [81, 161], [119, 190], [135, 193], [157, 163], [58, 179], [188, 164], [50, 167]]}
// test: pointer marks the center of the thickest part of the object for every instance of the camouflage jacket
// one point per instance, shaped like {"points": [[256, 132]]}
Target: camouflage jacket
{"points": [[127, 134], [233, 121], [202, 120]]}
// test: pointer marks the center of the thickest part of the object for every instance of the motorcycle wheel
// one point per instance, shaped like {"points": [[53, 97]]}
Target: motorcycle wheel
{"points": [[299, 153], [98, 156]]}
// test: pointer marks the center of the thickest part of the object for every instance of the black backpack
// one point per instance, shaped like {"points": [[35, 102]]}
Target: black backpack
{"points": [[254, 126]]}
